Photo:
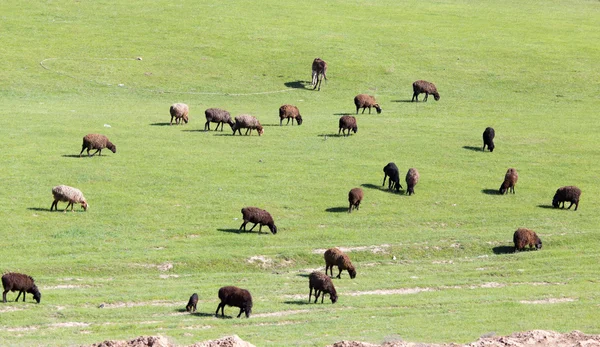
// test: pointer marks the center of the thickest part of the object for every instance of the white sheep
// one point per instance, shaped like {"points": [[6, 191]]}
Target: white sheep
{"points": [[70, 195]]}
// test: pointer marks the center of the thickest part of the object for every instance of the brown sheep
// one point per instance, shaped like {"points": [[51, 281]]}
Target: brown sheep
{"points": [[355, 197], [219, 116], [510, 180], [347, 123], [289, 112], [322, 284], [191, 306], [488, 139], [363, 101], [568, 193], [248, 122], [22, 283], [421, 86], [68, 194], [412, 178], [319, 71], [334, 256], [257, 216], [237, 297], [97, 142], [180, 112], [524, 237]]}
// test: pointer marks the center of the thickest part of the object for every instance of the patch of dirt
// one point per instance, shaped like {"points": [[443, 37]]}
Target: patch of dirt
{"points": [[400, 291], [279, 314], [147, 303], [373, 249], [161, 341], [66, 286], [10, 309], [69, 325], [548, 301], [261, 261]]}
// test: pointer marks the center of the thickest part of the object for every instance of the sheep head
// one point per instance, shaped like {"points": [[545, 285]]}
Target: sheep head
{"points": [[355, 129], [185, 118], [84, 205], [377, 108], [436, 96], [37, 296], [538, 243], [273, 228], [352, 271], [111, 146], [299, 120], [260, 130]]}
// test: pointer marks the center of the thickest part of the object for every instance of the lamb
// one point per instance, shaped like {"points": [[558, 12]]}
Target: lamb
{"points": [[412, 178], [319, 70], [322, 285], [421, 86], [97, 142], [488, 139], [219, 116], [334, 256], [355, 196], [248, 122], [391, 171], [68, 194], [347, 123], [525, 237], [22, 283], [510, 180], [258, 216], [363, 101], [191, 306], [180, 112], [568, 193], [237, 297], [289, 112]]}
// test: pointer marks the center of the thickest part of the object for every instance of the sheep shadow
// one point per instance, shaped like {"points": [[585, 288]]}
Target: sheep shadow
{"points": [[548, 207], [337, 209], [73, 156], [383, 189], [503, 250], [405, 100], [303, 274], [296, 302], [324, 136], [160, 124], [344, 114], [39, 209], [234, 231], [196, 131], [202, 314], [472, 148], [298, 84], [490, 191]]}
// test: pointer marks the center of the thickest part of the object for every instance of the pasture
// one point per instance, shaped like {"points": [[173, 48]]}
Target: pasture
{"points": [[165, 208]]}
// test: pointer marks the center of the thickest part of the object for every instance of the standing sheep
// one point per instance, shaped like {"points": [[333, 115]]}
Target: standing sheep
{"points": [[568, 193], [237, 297], [334, 256], [322, 284], [421, 86], [391, 171], [180, 112], [248, 122], [257, 216], [510, 180], [97, 142], [488, 139], [363, 101], [191, 306], [355, 197], [319, 71], [219, 116], [347, 123], [412, 178], [289, 112], [68, 194], [22, 283], [524, 237]]}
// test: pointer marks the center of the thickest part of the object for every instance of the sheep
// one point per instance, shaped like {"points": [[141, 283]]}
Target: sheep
{"points": [[363, 101], [391, 171], [319, 70], [97, 142], [421, 86], [219, 116], [525, 237], [191, 306], [289, 112], [347, 123], [180, 112], [22, 283], [510, 180], [334, 256], [249, 122], [488, 139], [258, 216], [568, 193], [322, 285], [70, 195], [237, 297], [355, 196], [412, 178]]}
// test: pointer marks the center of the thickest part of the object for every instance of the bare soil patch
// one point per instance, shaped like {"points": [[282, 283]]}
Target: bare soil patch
{"points": [[374, 249], [161, 341], [548, 301]]}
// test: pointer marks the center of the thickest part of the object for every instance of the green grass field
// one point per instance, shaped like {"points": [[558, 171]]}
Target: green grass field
{"points": [[432, 267]]}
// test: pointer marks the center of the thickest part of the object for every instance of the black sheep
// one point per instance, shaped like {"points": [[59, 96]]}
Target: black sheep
{"points": [[568, 193], [391, 171], [237, 297], [191, 306], [322, 284], [22, 283], [488, 139], [257, 216]]}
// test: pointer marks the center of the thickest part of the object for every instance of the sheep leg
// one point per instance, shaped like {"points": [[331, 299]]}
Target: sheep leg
{"points": [[339, 131], [415, 96], [243, 226], [384, 177], [239, 314], [339, 274], [349, 211], [309, 295], [17, 299], [171, 120], [221, 126], [364, 109], [82, 149], [570, 205], [252, 226], [576, 205], [95, 152], [426, 95], [323, 296], [288, 122], [260, 228], [280, 121], [54, 205], [221, 305], [207, 125], [6, 291], [317, 293]]}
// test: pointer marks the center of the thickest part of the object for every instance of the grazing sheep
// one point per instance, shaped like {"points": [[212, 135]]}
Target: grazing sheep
{"points": [[488, 139], [347, 123], [22, 283], [179, 112], [363, 101], [289, 112], [237, 297], [391, 171], [219, 116], [568, 193], [97, 142], [248, 122], [421, 86], [334, 256], [68, 194], [258, 216], [412, 178], [355, 196], [322, 285], [191, 306], [319, 71], [524, 237], [510, 180]]}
